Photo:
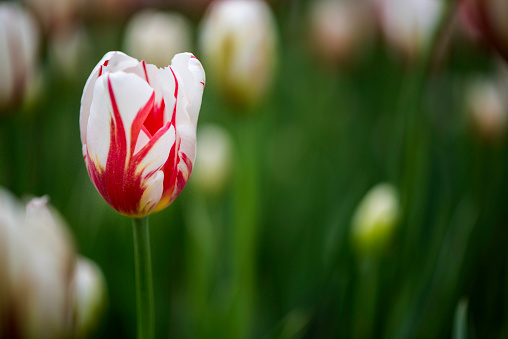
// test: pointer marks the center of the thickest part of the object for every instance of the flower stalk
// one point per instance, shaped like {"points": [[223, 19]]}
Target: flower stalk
{"points": [[144, 286]]}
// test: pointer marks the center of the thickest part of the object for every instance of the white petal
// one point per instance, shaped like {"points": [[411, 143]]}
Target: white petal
{"points": [[159, 153], [153, 192], [188, 141], [166, 82], [142, 141], [192, 74], [117, 61], [131, 93]]}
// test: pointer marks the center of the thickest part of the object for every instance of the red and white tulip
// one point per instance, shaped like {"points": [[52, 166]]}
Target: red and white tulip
{"points": [[138, 130]]}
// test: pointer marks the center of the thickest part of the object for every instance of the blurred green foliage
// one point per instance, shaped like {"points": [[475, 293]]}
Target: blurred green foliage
{"points": [[271, 257]]}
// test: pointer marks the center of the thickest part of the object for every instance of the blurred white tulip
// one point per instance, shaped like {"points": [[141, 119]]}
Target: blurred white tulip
{"points": [[156, 36], [54, 14], [90, 296], [375, 220], [214, 160], [38, 263], [68, 49], [340, 30], [19, 40], [487, 107], [238, 40], [408, 25]]}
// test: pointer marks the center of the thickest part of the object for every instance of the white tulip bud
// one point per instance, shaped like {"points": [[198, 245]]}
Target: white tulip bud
{"points": [[487, 108], [238, 40], [340, 29], [375, 220], [408, 25], [19, 39], [156, 36], [214, 159], [90, 296], [68, 49], [40, 261]]}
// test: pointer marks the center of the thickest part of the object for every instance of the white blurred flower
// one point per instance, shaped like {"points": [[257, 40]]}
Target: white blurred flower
{"points": [[37, 262], [19, 40], [409, 24], [238, 40], [40, 262], [54, 14], [214, 159], [68, 49], [156, 36], [90, 297], [375, 219], [340, 29], [487, 108]]}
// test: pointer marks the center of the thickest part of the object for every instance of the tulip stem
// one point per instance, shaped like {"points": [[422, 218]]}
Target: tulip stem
{"points": [[144, 289]]}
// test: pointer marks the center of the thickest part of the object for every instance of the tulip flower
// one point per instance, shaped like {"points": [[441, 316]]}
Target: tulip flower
{"points": [[340, 29], [38, 265], [375, 219], [156, 36], [487, 107], [408, 25], [90, 296], [18, 51], [238, 40], [215, 160], [138, 130]]}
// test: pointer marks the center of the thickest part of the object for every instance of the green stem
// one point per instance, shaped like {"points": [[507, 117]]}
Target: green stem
{"points": [[144, 289]]}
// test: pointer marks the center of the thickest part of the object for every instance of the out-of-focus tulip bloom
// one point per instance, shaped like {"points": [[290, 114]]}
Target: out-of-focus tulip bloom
{"points": [[409, 24], [375, 219], [488, 19], [238, 40], [19, 41], [40, 263], [54, 14], [43, 287], [487, 108], [68, 50], [340, 29], [156, 36], [138, 130], [90, 296], [214, 159]]}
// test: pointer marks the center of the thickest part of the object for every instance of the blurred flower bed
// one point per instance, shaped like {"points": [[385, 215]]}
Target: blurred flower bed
{"points": [[349, 179]]}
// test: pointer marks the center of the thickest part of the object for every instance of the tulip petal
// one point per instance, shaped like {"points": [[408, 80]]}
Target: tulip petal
{"points": [[193, 76], [153, 192], [156, 152], [111, 62], [131, 94]]}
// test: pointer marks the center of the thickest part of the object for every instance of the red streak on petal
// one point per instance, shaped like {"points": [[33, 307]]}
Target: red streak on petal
{"points": [[144, 69], [106, 62], [137, 124], [147, 132], [155, 120], [117, 182]]}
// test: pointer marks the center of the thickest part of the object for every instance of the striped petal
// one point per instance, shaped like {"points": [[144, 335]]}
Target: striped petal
{"points": [[111, 62]]}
